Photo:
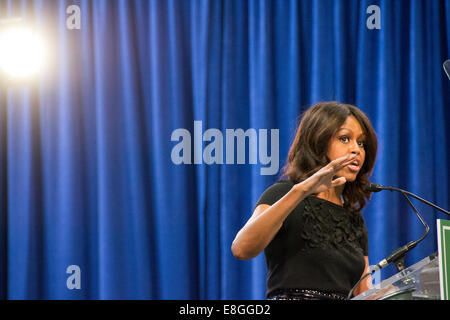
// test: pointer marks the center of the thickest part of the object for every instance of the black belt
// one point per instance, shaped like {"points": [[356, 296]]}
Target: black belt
{"points": [[304, 294]]}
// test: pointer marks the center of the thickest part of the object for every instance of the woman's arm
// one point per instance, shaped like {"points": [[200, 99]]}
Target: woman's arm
{"points": [[367, 282], [266, 220], [264, 224]]}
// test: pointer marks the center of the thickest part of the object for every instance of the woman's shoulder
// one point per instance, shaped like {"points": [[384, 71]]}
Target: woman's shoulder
{"points": [[275, 192], [282, 183], [280, 186]]}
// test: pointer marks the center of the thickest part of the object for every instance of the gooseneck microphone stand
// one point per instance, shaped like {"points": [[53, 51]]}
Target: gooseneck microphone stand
{"points": [[373, 187], [398, 256]]}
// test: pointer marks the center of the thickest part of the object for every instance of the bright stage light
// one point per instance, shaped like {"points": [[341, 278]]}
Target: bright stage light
{"points": [[21, 52]]}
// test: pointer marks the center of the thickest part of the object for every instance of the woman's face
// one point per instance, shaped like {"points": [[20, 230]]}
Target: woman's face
{"points": [[349, 139]]}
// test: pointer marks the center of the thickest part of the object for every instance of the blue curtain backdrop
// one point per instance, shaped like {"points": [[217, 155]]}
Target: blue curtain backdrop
{"points": [[86, 172]]}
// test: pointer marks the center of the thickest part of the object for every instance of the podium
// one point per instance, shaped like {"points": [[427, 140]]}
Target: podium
{"points": [[428, 279], [417, 282]]}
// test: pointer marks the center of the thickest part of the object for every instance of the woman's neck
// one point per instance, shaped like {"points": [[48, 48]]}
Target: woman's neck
{"points": [[333, 195]]}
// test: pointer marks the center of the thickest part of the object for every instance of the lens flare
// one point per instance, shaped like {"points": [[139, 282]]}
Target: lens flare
{"points": [[21, 52]]}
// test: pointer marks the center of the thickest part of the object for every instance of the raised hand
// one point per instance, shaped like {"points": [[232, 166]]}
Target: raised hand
{"points": [[322, 180]]}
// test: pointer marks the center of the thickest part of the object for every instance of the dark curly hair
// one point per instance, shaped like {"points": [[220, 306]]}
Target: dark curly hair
{"points": [[308, 152]]}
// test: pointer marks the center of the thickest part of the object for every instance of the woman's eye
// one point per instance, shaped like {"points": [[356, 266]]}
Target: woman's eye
{"points": [[346, 139]]}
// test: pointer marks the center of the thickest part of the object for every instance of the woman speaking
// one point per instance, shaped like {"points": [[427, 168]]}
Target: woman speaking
{"points": [[309, 224]]}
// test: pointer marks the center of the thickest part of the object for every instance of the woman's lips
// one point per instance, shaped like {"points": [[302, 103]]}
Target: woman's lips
{"points": [[353, 167]]}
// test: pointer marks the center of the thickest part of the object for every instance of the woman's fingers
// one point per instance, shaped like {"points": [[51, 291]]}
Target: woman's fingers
{"points": [[338, 181], [334, 166], [323, 179], [344, 159], [341, 162]]}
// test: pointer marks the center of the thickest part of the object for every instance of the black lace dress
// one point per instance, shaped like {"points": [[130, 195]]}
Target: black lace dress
{"points": [[318, 252]]}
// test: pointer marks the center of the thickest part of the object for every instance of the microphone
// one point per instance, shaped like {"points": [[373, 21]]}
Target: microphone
{"points": [[446, 66], [374, 187], [398, 256], [395, 256]]}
